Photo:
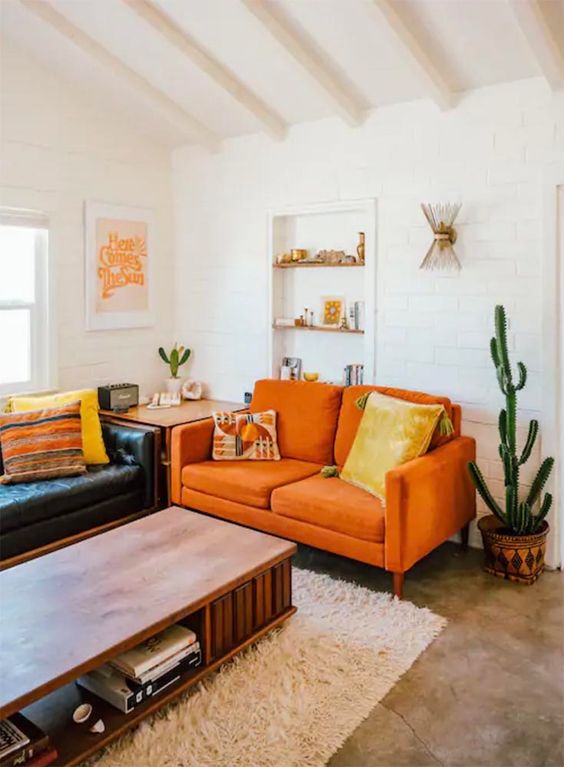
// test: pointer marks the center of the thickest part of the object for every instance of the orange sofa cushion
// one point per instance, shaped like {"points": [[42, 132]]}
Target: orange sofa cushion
{"points": [[307, 416], [332, 504], [248, 482], [350, 415]]}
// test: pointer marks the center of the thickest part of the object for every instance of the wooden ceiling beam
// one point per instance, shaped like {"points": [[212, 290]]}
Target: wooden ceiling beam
{"points": [[195, 130], [421, 60], [275, 126], [541, 39], [349, 105]]}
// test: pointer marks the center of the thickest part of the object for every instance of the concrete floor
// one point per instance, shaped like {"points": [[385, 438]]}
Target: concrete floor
{"points": [[489, 692]]}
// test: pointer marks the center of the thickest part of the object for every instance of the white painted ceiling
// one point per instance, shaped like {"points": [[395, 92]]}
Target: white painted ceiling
{"points": [[470, 43]]}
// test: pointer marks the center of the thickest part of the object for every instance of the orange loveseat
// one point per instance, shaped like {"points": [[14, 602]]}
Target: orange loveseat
{"points": [[427, 499]]}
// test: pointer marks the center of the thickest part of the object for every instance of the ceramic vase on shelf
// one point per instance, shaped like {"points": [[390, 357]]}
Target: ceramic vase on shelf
{"points": [[360, 248], [173, 385]]}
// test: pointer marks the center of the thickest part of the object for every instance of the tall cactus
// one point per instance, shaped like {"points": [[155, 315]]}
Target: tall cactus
{"points": [[516, 515], [177, 357]]}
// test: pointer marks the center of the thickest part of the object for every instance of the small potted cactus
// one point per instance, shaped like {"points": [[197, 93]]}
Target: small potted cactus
{"points": [[514, 535], [177, 356]]}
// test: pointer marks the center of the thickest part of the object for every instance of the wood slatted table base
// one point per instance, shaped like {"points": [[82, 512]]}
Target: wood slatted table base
{"points": [[224, 626]]}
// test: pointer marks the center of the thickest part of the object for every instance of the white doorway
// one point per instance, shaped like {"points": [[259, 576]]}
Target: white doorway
{"points": [[559, 514], [552, 415]]}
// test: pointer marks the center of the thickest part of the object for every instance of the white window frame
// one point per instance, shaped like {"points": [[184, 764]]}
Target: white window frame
{"points": [[41, 368]]}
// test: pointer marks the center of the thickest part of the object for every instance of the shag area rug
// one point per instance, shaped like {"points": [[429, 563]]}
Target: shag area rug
{"points": [[294, 698]]}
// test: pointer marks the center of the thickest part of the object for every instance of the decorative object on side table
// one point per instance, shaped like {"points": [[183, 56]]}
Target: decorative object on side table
{"points": [[192, 389], [441, 218], [178, 356], [514, 536], [118, 397], [311, 377]]}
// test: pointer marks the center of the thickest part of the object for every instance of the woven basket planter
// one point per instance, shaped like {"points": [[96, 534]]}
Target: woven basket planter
{"points": [[518, 558]]}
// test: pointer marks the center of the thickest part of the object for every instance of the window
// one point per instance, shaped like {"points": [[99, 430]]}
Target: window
{"points": [[24, 315]]}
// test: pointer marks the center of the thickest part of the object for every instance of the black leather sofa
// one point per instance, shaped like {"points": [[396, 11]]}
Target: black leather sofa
{"points": [[35, 514]]}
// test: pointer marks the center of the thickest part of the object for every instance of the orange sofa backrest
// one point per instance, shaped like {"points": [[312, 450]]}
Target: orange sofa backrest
{"points": [[350, 415], [307, 416]]}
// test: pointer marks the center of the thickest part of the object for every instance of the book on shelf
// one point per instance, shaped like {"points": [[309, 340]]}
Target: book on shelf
{"points": [[356, 315], [154, 651], [354, 375], [20, 741], [43, 759], [126, 694]]}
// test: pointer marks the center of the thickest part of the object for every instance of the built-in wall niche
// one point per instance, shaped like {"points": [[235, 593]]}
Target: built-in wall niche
{"points": [[297, 286]]}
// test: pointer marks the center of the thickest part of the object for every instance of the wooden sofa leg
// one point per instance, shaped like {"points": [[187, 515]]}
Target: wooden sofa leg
{"points": [[464, 533], [398, 584]]}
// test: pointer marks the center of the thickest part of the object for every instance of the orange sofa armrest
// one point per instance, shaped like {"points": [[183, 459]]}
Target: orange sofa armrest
{"points": [[427, 501], [191, 443]]}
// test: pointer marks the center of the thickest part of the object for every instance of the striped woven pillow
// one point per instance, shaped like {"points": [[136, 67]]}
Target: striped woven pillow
{"points": [[41, 444]]}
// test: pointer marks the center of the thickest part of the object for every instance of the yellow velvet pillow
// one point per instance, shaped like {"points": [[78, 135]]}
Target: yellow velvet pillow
{"points": [[92, 441], [392, 431]]}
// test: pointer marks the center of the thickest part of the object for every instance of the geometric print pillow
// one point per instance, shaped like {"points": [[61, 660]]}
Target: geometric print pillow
{"points": [[245, 437], [41, 444]]}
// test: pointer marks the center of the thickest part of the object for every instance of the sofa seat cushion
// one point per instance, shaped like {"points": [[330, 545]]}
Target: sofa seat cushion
{"points": [[334, 505], [247, 482], [30, 502]]}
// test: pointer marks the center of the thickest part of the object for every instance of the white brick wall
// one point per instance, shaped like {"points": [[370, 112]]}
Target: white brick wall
{"points": [[59, 148], [491, 152]]}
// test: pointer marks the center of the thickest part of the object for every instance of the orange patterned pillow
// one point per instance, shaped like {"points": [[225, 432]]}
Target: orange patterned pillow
{"points": [[41, 444], [245, 437]]}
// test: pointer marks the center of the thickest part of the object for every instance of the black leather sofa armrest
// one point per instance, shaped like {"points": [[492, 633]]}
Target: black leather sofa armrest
{"points": [[135, 444]]}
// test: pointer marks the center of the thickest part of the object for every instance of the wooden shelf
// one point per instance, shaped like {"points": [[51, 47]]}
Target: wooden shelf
{"points": [[318, 329], [313, 264]]}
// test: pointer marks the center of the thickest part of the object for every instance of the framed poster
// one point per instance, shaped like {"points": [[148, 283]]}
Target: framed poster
{"points": [[332, 310], [119, 267]]}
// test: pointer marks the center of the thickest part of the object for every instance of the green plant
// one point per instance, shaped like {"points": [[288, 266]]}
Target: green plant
{"points": [[518, 516], [177, 357]]}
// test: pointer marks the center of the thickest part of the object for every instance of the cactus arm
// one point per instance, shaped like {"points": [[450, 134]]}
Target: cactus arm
{"points": [[544, 509], [502, 425], [511, 421], [501, 379], [184, 358], [484, 492], [163, 356], [522, 376], [493, 352], [529, 444], [507, 467], [501, 336], [540, 480]]}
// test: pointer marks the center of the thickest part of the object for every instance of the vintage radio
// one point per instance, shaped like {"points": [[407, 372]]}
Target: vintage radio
{"points": [[118, 397]]}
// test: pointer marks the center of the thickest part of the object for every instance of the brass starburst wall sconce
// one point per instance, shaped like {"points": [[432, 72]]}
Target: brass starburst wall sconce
{"points": [[441, 218]]}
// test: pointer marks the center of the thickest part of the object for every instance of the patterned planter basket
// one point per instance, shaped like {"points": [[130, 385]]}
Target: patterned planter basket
{"points": [[518, 558]]}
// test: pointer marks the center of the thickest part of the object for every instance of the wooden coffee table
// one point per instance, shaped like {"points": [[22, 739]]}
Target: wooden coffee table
{"points": [[68, 612]]}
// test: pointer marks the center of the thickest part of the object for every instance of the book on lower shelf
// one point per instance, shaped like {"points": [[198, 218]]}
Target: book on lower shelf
{"points": [[23, 743], [125, 690], [154, 651], [43, 759]]}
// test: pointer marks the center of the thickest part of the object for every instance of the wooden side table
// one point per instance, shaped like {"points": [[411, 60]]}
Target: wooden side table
{"points": [[166, 419]]}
